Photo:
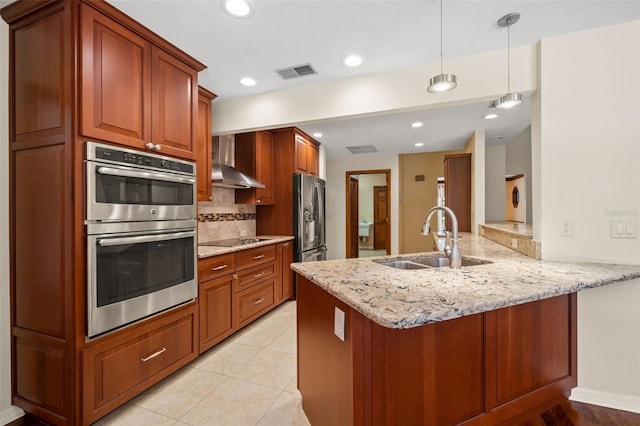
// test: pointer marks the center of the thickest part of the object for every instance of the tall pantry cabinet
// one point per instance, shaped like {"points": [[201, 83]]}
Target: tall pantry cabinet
{"points": [[81, 70]]}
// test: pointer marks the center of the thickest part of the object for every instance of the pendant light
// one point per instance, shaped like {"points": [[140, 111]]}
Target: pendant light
{"points": [[442, 82], [509, 100]]}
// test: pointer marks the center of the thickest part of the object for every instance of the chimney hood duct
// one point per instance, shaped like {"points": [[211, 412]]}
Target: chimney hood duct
{"points": [[223, 172]]}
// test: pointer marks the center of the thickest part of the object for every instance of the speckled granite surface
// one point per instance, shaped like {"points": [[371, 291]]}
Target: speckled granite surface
{"points": [[409, 298], [208, 251]]}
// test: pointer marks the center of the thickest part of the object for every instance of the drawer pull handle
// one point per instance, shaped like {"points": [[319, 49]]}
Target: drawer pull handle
{"points": [[260, 256], [258, 275], [217, 268], [153, 355], [258, 301]]}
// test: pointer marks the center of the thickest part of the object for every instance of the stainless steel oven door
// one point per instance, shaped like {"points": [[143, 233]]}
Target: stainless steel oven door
{"points": [[136, 274], [122, 193]]}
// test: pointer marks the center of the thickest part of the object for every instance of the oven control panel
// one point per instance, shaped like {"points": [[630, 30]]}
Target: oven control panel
{"points": [[124, 156]]}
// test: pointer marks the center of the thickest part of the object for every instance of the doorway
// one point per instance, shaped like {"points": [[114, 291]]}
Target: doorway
{"points": [[368, 210]]}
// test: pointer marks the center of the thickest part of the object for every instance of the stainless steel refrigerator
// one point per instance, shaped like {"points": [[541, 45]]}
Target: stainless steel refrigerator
{"points": [[309, 218]]}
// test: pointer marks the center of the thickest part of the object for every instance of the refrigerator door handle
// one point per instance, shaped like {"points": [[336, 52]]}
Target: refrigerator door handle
{"points": [[319, 208]]}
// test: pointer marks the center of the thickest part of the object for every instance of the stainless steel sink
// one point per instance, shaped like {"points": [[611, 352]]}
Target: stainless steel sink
{"points": [[424, 262], [402, 264]]}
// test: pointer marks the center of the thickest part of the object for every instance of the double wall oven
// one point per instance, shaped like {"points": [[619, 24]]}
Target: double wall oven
{"points": [[141, 235]]}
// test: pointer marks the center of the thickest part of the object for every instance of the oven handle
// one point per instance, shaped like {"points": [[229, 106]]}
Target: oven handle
{"points": [[113, 171], [108, 242]]}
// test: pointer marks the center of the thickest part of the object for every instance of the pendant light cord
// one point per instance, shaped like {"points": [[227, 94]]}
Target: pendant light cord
{"points": [[508, 55], [441, 37]]}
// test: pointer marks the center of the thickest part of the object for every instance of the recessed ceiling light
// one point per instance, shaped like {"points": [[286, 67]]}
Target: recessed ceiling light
{"points": [[238, 8], [416, 124], [247, 81], [490, 116], [317, 135], [419, 144], [352, 61]]}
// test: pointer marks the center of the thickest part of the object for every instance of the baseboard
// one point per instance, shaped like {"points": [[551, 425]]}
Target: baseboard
{"points": [[605, 399], [10, 414]]}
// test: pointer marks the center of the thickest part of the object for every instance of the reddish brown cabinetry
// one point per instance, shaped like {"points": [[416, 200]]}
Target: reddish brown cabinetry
{"points": [[478, 369], [133, 92], [237, 288], [203, 144], [82, 70], [254, 157], [457, 189], [296, 153]]}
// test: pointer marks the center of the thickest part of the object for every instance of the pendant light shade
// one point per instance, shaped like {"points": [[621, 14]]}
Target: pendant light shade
{"points": [[442, 82], [509, 100]]}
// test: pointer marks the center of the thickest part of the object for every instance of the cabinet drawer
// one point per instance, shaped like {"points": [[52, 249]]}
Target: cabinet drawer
{"points": [[255, 256], [247, 277], [253, 302], [216, 266], [120, 369]]}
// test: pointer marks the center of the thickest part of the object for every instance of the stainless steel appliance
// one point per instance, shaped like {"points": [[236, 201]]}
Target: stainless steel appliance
{"points": [[309, 218], [141, 235]]}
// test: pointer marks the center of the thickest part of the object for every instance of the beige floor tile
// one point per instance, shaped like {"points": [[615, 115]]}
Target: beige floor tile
{"points": [[235, 403], [286, 411], [227, 360], [178, 394], [131, 415], [270, 368], [259, 337], [293, 385], [285, 342]]}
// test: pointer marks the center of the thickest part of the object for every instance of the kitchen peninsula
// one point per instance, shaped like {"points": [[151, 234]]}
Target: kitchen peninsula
{"points": [[436, 346]]}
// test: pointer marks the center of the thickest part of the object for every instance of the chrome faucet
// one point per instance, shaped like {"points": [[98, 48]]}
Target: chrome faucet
{"points": [[452, 251]]}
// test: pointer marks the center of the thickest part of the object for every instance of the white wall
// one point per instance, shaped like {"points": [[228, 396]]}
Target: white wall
{"points": [[494, 183], [365, 194], [518, 161], [7, 411], [336, 196], [587, 137], [481, 78]]}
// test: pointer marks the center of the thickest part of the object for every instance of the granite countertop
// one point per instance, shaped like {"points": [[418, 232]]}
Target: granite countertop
{"points": [[208, 251], [396, 298]]}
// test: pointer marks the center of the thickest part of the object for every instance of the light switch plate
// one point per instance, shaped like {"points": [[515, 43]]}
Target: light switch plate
{"points": [[338, 323]]}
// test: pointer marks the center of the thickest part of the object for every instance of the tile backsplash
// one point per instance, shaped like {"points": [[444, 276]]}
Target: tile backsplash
{"points": [[221, 218]]}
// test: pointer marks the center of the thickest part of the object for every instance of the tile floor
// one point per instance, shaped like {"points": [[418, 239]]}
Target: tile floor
{"points": [[250, 379]]}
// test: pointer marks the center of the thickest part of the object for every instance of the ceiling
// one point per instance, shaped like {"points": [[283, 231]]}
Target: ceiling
{"points": [[388, 35]]}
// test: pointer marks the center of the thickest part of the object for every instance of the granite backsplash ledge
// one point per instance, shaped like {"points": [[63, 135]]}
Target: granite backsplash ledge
{"points": [[221, 218]]}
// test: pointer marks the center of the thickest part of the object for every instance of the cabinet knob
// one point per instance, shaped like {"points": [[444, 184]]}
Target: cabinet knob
{"points": [[258, 201], [157, 147], [234, 276], [150, 146]]}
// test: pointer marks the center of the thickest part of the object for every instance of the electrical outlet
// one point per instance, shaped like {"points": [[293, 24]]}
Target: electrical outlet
{"points": [[566, 227]]}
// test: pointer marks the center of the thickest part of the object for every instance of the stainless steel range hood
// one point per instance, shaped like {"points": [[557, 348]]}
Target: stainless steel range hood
{"points": [[223, 172]]}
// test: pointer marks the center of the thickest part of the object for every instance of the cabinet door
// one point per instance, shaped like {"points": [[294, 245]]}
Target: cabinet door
{"points": [[215, 311], [301, 154], [116, 77], [175, 102], [264, 168], [203, 144], [287, 273], [313, 159]]}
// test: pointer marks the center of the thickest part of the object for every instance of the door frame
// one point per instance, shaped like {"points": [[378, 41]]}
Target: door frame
{"points": [[348, 176]]}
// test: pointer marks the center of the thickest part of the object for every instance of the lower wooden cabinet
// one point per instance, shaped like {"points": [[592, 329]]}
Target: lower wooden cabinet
{"points": [[119, 367], [237, 288], [251, 303], [214, 304]]}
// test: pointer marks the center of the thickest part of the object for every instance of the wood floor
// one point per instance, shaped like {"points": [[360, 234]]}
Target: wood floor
{"points": [[559, 413]]}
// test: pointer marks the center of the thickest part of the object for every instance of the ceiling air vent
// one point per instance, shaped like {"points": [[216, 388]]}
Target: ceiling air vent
{"points": [[362, 149], [298, 71]]}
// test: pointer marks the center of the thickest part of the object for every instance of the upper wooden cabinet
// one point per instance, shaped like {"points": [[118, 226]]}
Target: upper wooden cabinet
{"points": [[306, 155], [203, 144], [255, 157], [134, 93]]}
